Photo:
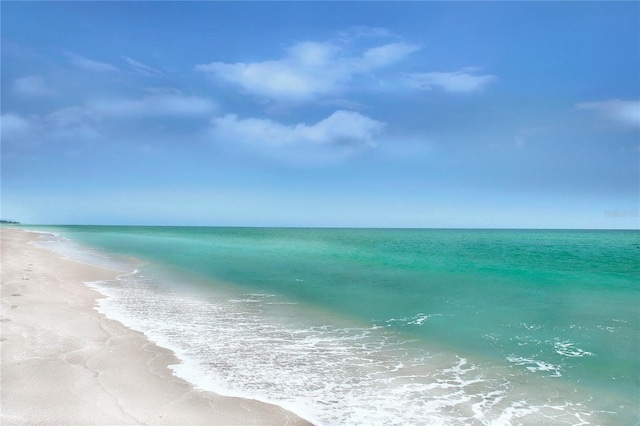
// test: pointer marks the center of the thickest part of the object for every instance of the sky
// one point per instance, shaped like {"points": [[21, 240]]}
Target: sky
{"points": [[336, 114]]}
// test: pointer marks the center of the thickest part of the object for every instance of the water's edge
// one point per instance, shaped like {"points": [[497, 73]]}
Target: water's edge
{"points": [[331, 369]]}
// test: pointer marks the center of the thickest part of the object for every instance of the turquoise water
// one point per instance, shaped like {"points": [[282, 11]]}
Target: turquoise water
{"points": [[364, 326]]}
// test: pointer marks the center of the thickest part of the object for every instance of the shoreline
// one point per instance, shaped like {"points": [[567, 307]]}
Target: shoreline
{"points": [[63, 362]]}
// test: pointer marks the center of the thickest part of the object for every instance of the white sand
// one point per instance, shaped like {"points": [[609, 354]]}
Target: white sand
{"points": [[64, 363]]}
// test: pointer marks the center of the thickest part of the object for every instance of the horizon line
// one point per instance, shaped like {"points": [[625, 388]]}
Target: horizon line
{"points": [[326, 227]]}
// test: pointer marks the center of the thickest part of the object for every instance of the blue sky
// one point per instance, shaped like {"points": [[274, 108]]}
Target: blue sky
{"points": [[391, 114]]}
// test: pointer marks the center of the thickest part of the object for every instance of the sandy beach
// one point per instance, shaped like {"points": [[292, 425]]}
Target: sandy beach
{"points": [[64, 363]]}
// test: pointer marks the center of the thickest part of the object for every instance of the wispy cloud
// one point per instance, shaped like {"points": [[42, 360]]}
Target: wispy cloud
{"points": [[364, 31], [94, 120], [160, 103], [32, 86], [89, 64], [342, 128], [72, 125], [308, 69], [462, 81], [626, 113], [141, 68], [15, 129]]}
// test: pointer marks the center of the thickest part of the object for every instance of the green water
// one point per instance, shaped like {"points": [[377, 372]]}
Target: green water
{"points": [[564, 304]]}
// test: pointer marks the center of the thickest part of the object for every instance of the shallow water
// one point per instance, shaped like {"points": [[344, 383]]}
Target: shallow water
{"points": [[389, 326]]}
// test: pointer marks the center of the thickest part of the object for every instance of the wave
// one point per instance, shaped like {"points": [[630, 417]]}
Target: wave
{"points": [[250, 345]]}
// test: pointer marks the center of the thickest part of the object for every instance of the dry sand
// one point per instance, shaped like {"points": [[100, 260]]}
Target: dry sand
{"points": [[63, 363]]}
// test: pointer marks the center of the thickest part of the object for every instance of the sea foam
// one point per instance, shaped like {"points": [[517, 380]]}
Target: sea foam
{"points": [[331, 373]]}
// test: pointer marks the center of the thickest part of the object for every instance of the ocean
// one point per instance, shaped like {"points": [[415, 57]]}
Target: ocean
{"points": [[386, 326]]}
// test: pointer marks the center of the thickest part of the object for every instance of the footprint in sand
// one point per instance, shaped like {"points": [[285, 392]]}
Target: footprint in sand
{"points": [[5, 320], [14, 306], [3, 339], [16, 294]]}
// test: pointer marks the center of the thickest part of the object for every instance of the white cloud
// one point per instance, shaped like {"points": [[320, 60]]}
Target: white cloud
{"points": [[307, 70], [32, 86], [160, 103], [342, 128], [623, 112], [382, 56], [89, 64], [463, 81], [141, 68]]}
